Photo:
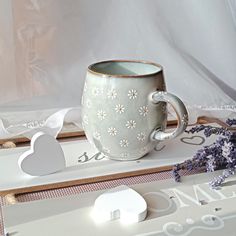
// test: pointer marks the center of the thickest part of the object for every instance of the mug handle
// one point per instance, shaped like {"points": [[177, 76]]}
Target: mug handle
{"points": [[180, 109]]}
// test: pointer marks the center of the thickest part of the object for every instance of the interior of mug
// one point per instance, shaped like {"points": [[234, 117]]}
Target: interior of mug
{"points": [[125, 68]]}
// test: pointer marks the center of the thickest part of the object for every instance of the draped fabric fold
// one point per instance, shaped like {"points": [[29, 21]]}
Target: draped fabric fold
{"points": [[50, 122], [46, 45]]}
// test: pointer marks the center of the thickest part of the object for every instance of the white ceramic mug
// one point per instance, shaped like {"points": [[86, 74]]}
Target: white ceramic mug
{"points": [[124, 108]]}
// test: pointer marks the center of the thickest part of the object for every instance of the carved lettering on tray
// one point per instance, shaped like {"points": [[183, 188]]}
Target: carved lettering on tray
{"points": [[198, 194], [85, 158]]}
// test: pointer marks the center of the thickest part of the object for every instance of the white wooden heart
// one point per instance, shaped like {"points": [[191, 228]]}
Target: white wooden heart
{"points": [[120, 202], [44, 157]]}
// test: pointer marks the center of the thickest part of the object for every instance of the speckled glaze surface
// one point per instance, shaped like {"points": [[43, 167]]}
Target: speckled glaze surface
{"points": [[120, 113]]}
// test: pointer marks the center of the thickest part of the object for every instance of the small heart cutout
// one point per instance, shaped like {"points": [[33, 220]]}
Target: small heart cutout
{"points": [[44, 157], [194, 140], [121, 203]]}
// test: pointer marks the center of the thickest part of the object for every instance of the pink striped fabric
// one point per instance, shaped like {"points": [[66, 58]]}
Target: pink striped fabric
{"points": [[88, 188]]}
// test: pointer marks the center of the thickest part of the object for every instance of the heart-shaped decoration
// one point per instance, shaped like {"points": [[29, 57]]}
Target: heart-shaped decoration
{"points": [[121, 203], [194, 140], [44, 157]]}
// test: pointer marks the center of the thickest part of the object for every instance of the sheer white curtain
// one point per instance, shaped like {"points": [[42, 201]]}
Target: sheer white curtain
{"points": [[46, 45]]}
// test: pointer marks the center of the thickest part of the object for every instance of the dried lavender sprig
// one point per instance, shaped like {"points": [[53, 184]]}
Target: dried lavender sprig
{"points": [[175, 172], [231, 122], [220, 154], [209, 130], [196, 129], [218, 181], [210, 157]]}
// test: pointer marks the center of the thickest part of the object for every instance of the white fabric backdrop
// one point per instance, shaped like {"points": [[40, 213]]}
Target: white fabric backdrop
{"points": [[46, 45]]}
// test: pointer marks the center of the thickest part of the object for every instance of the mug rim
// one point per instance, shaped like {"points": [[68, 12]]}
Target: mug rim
{"points": [[125, 76]]}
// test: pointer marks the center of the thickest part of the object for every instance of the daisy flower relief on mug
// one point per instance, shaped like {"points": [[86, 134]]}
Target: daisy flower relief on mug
{"points": [[141, 136], [184, 119], [163, 108], [132, 94], [143, 150], [112, 131], [143, 111], [95, 92], [119, 108], [124, 155], [162, 95], [106, 150], [112, 94], [130, 124], [96, 135], [101, 115], [124, 143], [85, 119], [88, 103]]}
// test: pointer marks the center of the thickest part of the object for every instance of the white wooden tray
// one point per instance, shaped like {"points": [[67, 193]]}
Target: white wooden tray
{"points": [[173, 210], [86, 165]]}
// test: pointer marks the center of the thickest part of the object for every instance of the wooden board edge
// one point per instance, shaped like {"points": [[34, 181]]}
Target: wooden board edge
{"points": [[19, 140], [85, 181]]}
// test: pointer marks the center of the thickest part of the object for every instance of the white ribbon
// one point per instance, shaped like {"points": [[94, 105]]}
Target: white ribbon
{"points": [[52, 125]]}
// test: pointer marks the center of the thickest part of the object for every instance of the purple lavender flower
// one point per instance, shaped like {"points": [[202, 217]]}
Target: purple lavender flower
{"points": [[175, 172], [210, 165], [209, 130], [231, 122], [227, 148], [218, 181], [219, 155]]}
